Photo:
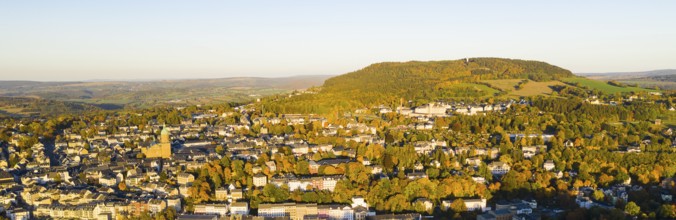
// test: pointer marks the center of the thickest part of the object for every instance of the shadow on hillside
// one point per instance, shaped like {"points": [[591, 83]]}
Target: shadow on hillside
{"points": [[108, 106], [557, 88]]}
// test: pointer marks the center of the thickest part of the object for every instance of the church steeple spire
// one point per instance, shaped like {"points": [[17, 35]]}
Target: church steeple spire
{"points": [[165, 135]]}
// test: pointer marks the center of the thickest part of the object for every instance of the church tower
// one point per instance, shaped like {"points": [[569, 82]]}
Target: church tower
{"points": [[162, 149], [164, 136]]}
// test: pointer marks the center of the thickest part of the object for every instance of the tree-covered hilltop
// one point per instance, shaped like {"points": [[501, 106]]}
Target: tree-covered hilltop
{"points": [[437, 79], [440, 72], [389, 82]]}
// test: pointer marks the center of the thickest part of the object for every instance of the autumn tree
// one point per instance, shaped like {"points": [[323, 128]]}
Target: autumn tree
{"points": [[122, 186], [458, 205], [632, 209]]}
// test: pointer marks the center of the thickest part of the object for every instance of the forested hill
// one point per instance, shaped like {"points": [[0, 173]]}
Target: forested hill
{"points": [[388, 83], [437, 79], [443, 72]]}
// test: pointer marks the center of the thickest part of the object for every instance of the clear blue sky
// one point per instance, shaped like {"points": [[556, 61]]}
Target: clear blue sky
{"points": [[82, 40]]}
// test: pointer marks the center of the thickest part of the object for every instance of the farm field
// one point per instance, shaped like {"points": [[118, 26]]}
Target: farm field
{"points": [[470, 89], [529, 89], [648, 83], [602, 85]]}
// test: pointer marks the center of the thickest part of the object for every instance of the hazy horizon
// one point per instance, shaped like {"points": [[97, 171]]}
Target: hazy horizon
{"points": [[165, 40], [270, 77], [168, 79]]}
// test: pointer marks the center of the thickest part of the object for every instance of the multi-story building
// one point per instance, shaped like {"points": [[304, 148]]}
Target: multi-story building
{"points": [[260, 180], [156, 205], [136, 208], [66, 211], [174, 202], [291, 210], [274, 210], [221, 194], [335, 212], [271, 166], [329, 183], [239, 208], [498, 168], [214, 209], [475, 204], [236, 194], [185, 179]]}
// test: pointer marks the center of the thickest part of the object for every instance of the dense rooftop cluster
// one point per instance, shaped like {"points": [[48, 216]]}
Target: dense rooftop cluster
{"points": [[534, 158]]}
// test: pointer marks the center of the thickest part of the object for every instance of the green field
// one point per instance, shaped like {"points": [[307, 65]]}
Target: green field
{"points": [[647, 83], [669, 119], [503, 84], [529, 89], [603, 86], [471, 89]]}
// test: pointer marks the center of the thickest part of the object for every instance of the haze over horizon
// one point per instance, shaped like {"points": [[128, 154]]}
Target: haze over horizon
{"points": [[122, 40]]}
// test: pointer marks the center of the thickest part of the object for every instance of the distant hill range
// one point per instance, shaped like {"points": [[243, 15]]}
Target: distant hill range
{"points": [[629, 75], [139, 94], [294, 82], [23, 107], [388, 83], [664, 79]]}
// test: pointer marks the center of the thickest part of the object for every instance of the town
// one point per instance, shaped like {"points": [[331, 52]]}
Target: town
{"points": [[337, 110], [216, 162]]}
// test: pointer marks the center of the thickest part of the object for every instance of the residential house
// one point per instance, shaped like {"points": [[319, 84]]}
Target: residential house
{"points": [[549, 165], [185, 179], [498, 168]]}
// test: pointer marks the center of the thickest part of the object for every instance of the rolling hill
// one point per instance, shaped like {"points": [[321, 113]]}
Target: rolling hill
{"points": [[148, 93], [24, 107], [24, 98], [603, 86], [628, 75], [663, 79], [437, 79], [390, 82]]}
